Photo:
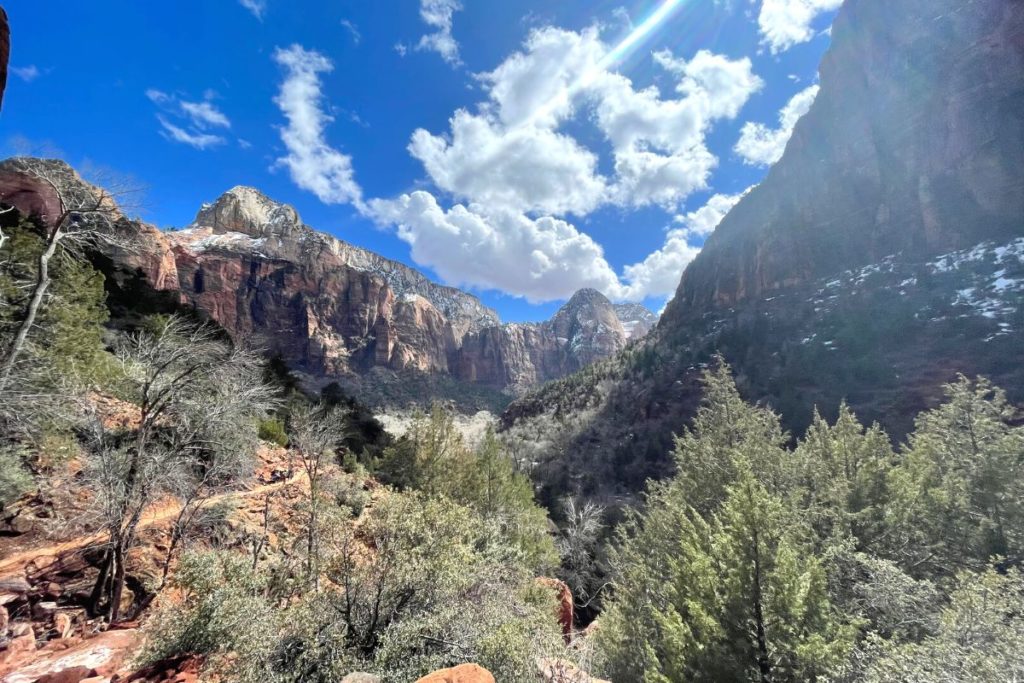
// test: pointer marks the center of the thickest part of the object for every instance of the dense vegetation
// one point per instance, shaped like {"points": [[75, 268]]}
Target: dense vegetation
{"points": [[839, 559], [437, 573]]}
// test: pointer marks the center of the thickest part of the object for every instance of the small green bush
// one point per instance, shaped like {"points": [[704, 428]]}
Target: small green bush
{"points": [[272, 430], [15, 479], [223, 615], [349, 494]]}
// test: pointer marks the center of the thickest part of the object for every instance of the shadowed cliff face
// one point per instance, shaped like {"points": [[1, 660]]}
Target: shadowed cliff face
{"points": [[880, 257], [915, 145]]}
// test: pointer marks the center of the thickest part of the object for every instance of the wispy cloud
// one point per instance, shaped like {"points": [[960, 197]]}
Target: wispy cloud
{"points": [[158, 96], [353, 31], [26, 73], [257, 7], [312, 163], [193, 139], [195, 119], [205, 115]]}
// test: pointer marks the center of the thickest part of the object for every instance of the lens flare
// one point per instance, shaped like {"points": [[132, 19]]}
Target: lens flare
{"points": [[638, 34], [613, 57]]}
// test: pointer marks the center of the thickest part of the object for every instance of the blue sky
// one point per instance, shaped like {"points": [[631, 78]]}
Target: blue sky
{"points": [[574, 161]]}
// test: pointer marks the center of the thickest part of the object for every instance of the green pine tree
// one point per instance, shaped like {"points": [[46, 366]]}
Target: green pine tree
{"points": [[726, 431], [843, 467], [958, 494]]}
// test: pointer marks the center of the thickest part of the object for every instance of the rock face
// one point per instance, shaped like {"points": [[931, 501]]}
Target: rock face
{"points": [[566, 605], [329, 309], [915, 145], [637, 320], [519, 356], [463, 673], [880, 257]]}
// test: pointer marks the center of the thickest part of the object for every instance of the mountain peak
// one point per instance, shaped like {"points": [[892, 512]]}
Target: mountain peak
{"points": [[587, 297], [246, 210]]}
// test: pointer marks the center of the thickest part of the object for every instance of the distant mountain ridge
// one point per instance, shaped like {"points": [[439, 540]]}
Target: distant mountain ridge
{"points": [[247, 211], [336, 312]]}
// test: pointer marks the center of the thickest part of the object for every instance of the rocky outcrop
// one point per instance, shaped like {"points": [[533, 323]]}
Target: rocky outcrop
{"points": [[637, 320], [463, 673], [327, 307], [563, 594], [915, 145], [5, 52], [98, 657]]}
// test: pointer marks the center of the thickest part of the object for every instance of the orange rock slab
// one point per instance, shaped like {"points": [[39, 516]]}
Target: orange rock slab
{"points": [[463, 673]]}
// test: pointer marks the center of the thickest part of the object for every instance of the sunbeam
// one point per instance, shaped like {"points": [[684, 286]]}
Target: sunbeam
{"points": [[616, 55]]}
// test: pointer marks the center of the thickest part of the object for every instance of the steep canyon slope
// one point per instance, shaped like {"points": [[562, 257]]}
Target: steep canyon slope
{"points": [[880, 257]]}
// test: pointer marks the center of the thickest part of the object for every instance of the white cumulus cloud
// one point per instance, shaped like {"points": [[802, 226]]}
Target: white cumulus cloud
{"points": [[785, 23], [312, 163], [513, 154], [760, 145], [438, 14], [659, 273], [516, 171], [541, 259], [703, 221], [521, 169]]}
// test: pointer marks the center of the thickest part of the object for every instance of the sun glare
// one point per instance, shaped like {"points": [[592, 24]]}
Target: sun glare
{"points": [[613, 57]]}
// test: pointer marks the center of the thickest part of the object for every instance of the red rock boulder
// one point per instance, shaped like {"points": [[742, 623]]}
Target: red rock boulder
{"points": [[463, 673]]}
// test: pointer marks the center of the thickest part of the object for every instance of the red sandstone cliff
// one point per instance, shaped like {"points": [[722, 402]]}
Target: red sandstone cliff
{"points": [[330, 309]]}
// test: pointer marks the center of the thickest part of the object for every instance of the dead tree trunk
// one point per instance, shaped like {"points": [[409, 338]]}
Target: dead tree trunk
{"points": [[35, 303]]}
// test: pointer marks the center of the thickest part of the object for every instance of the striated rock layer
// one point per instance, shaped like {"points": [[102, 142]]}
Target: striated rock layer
{"points": [[326, 306], [329, 309]]}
